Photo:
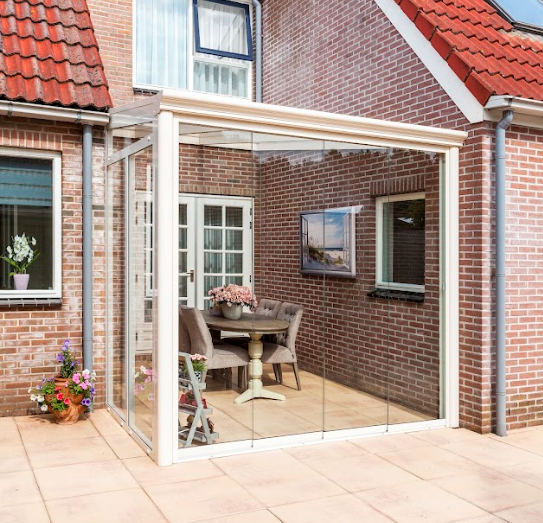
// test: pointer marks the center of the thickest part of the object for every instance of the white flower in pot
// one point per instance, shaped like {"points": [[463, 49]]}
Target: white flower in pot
{"points": [[20, 256]]}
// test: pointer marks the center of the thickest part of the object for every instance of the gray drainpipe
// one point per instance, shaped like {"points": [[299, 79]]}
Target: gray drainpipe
{"points": [[87, 248], [501, 398], [258, 78]]}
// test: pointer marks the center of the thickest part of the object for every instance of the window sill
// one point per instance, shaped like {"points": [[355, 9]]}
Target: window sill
{"points": [[392, 294], [8, 303]]}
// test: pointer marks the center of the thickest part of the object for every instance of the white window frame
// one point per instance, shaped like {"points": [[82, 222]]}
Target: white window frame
{"points": [[201, 57], [56, 291], [379, 204]]}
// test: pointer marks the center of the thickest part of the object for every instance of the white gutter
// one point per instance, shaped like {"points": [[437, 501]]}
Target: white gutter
{"points": [[47, 112], [517, 105]]}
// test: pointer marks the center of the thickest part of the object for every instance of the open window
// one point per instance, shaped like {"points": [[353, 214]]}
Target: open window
{"points": [[526, 15]]}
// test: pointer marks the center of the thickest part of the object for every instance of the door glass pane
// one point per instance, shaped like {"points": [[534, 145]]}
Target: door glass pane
{"points": [[234, 240], [234, 263], [234, 217], [212, 262], [213, 215], [213, 239]]}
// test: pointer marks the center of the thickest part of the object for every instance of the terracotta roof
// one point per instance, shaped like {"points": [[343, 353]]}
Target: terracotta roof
{"points": [[482, 48], [49, 54]]}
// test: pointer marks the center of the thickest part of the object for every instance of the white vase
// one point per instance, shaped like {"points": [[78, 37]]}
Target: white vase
{"points": [[233, 312], [21, 281]]}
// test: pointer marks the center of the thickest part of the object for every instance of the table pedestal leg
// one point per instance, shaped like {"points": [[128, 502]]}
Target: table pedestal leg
{"points": [[255, 389]]}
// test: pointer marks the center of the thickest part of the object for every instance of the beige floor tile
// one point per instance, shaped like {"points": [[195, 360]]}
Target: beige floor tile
{"points": [[104, 422], [393, 415], [338, 419], [530, 440], [362, 473], [18, 488], [28, 513], [431, 462], [260, 516], [484, 519], [228, 428], [53, 453], [9, 433], [531, 473], [202, 499], [388, 443], [41, 429], [490, 490], [123, 506], [13, 458], [273, 422], [525, 514], [88, 478], [446, 436], [124, 446], [347, 509], [326, 451], [148, 474], [255, 462], [490, 453], [419, 501]]}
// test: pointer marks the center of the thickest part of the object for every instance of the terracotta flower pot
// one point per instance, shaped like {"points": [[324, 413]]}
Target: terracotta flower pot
{"points": [[70, 415]]}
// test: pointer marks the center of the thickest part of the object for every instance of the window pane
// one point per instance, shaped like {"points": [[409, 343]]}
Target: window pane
{"points": [[527, 11], [234, 240], [212, 262], [213, 215], [183, 215], [220, 79], [404, 242], [222, 27], [182, 286], [183, 262], [210, 282], [234, 263], [182, 238], [213, 239], [236, 280], [26, 206], [234, 217], [162, 43]]}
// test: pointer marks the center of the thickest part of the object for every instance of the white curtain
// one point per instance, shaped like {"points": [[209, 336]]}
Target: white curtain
{"points": [[220, 78], [222, 28], [162, 43]]}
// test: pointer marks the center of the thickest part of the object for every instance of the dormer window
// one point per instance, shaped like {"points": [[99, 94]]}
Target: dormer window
{"points": [[526, 15]]}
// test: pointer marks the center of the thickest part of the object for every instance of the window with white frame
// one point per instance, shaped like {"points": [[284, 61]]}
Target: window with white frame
{"points": [[401, 240], [200, 45], [30, 206]]}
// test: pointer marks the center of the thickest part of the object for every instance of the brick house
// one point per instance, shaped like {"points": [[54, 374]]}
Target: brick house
{"points": [[459, 66]]}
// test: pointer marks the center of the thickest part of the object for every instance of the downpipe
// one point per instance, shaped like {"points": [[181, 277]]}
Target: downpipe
{"points": [[501, 367], [258, 50]]}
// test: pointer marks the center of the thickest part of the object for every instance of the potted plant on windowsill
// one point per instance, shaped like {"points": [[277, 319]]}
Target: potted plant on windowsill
{"points": [[232, 298], [20, 256]]}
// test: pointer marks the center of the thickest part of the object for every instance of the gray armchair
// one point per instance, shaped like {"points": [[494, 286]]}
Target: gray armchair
{"points": [[219, 355], [282, 347]]}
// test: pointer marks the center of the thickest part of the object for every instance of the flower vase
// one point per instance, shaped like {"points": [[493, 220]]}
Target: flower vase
{"points": [[232, 312], [20, 281], [216, 310]]}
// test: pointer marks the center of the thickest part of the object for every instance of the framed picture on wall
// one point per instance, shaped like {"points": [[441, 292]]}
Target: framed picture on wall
{"points": [[327, 242]]}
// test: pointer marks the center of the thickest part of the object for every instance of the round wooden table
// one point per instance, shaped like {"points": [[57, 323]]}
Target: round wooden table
{"points": [[256, 326]]}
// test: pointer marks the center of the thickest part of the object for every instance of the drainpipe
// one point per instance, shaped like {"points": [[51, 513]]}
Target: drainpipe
{"points": [[258, 79], [500, 157], [87, 248]]}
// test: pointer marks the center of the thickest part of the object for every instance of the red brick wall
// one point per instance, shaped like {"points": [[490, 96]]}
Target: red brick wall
{"points": [[30, 337]]}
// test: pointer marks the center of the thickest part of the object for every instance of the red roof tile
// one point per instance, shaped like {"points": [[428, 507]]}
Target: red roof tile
{"points": [[49, 54], [482, 48]]}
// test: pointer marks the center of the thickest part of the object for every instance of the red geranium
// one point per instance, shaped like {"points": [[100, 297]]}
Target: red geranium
{"points": [[60, 396], [67, 400], [57, 389]]}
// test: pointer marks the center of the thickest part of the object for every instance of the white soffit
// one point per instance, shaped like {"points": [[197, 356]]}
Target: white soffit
{"points": [[225, 113], [439, 68], [527, 112]]}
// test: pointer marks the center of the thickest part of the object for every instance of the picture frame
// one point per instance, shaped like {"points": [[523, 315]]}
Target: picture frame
{"points": [[328, 242]]}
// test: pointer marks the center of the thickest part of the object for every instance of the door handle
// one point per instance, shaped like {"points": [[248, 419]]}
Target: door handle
{"points": [[191, 274]]}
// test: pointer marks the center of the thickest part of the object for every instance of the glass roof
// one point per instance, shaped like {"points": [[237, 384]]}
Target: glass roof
{"points": [[529, 12]]}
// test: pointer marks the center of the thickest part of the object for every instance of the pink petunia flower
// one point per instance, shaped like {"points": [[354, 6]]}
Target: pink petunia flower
{"points": [[76, 378]]}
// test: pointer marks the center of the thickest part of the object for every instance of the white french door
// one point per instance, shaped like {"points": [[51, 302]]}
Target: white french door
{"points": [[215, 245]]}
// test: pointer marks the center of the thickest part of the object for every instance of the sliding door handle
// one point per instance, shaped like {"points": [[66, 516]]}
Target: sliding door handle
{"points": [[191, 274]]}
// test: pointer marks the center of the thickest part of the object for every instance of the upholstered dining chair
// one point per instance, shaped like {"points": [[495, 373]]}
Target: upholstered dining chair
{"points": [[219, 355], [281, 348], [265, 307]]}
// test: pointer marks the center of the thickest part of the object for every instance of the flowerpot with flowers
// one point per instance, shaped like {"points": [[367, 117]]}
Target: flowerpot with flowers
{"points": [[232, 298], [142, 377], [199, 367], [68, 394], [21, 256]]}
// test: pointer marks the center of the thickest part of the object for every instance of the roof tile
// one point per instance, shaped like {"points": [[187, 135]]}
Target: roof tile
{"points": [[49, 54]]}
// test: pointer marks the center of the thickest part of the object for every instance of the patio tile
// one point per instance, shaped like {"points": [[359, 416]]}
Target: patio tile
{"points": [[490, 453], [326, 451], [104, 422], [347, 509], [89, 478], [362, 473], [431, 462], [9, 433], [530, 440], [491, 518], [41, 429], [274, 422], [419, 501], [124, 446], [394, 414], [531, 473], [255, 462], [388, 443], [446, 436], [338, 419], [525, 514], [18, 488], [202, 499], [148, 474], [261, 516], [490, 490], [27, 513], [84, 450], [123, 506], [228, 428], [13, 458]]}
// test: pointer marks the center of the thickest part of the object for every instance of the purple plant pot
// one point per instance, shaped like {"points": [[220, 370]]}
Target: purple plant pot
{"points": [[21, 281]]}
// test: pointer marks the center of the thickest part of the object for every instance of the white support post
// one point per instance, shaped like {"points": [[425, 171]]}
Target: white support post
{"points": [[166, 274]]}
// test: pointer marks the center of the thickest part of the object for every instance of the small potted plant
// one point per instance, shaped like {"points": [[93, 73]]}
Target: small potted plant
{"points": [[142, 377], [21, 256], [232, 298], [198, 365]]}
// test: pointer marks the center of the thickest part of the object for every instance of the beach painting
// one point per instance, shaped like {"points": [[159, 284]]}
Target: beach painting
{"points": [[327, 242]]}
